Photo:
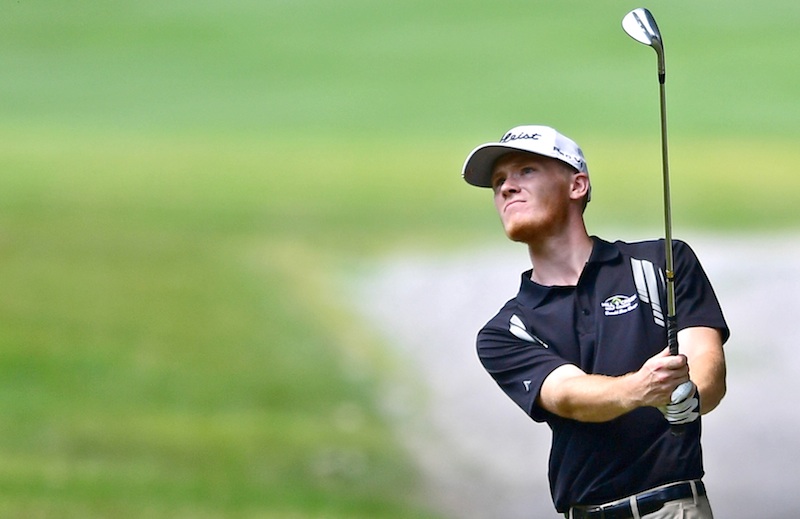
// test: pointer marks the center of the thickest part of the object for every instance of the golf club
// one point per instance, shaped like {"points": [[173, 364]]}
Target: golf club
{"points": [[640, 25]]}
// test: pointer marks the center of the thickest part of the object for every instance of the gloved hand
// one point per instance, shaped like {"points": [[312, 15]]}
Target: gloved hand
{"points": [[684, 406]]}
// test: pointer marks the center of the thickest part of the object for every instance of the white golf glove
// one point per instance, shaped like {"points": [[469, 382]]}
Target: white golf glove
{"points": [[685, 405]]}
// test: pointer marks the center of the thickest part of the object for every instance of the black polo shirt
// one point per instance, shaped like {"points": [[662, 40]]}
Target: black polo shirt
{"points": [[609, 324]]}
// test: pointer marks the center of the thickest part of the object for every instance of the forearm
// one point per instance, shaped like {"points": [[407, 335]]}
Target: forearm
{"points": [[570, 393], [703, 348], [711, 394]]}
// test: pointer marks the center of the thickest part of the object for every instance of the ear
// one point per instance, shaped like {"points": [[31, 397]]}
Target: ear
{"points": [[579, 186]]}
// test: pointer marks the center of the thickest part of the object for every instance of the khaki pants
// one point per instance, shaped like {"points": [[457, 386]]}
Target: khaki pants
{"points": [[688, 508]]}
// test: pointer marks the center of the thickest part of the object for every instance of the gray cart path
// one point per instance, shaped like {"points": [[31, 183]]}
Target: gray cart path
{"points": [[482, 457]]}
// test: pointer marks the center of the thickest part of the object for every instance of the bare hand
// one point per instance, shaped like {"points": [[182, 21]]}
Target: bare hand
{"points": [[659, 376]]}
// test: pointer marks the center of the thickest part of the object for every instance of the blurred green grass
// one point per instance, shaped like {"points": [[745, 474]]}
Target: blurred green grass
{"points": [[182, 183]]}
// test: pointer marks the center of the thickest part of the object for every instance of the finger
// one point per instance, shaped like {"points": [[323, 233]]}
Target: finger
{"points": [[682, 392], [677, 362], [691, 417], [681, 407], [680, 416], [662, 353], [682, 359]]}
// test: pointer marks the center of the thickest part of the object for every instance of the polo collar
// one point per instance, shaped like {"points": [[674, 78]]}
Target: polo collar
{"points": [[533, 294]]}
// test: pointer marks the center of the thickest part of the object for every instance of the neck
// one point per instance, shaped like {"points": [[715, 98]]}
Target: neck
{"points": [[559, 261]]}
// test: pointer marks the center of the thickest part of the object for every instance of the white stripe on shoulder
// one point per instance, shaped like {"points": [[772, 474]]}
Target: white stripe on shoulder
{"points": [[517, 328], [644, 276]]}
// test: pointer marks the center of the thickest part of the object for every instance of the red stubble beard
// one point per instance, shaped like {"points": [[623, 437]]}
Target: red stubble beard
{"points": [[530, 221]]}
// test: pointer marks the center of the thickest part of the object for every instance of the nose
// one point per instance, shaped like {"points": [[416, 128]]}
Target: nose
{"points": [[509, 186]]}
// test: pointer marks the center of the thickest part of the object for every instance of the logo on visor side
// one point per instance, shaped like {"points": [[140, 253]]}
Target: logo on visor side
{"points": [[577, 160], [619, 304]]}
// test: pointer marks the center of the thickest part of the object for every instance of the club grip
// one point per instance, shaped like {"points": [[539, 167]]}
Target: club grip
{"points": [[672, 342], [672, 334]]}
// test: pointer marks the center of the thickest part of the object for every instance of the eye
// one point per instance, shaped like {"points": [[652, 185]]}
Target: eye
{"points": [[497, 182], [527, 170]]}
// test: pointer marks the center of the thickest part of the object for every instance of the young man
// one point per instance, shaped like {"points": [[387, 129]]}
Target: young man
{"points": [[583, 344]]}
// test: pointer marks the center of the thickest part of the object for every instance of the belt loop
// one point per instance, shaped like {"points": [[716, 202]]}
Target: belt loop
{"points": [[635, 507], [694, 491]]}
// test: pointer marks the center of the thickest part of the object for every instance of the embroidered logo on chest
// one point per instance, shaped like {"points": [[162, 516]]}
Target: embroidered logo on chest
{"points": [[619, 304]]}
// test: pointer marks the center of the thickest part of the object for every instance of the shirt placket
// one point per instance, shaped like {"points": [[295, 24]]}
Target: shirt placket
{"points": [[585, 326]]}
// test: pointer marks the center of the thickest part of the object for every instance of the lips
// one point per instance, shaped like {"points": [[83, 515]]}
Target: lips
{"points": [[511, 203]]}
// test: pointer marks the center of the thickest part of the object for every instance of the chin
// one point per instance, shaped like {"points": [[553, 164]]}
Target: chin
{"points": [[531, 230], [521, 233]]}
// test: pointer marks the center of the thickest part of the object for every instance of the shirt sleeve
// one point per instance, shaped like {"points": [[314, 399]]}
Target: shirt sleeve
{"points": [[518, 366], [695, 301]]}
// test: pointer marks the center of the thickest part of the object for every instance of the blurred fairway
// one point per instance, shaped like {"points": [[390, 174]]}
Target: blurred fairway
{"points": [[182, 183]]}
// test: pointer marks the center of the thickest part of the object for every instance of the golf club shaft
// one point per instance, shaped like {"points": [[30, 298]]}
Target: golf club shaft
{"points": [[672, 320], [672, 332]]}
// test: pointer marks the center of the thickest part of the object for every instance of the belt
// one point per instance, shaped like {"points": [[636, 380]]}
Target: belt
{"points": [[647, 502]]}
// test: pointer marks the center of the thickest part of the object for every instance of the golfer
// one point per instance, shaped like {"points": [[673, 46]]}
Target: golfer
{"points": [[583, 344]]}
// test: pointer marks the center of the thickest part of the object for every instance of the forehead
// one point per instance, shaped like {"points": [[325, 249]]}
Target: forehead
{"points": [[517, 159]]}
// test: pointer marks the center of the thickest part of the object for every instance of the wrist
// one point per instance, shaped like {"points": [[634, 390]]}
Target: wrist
{"points": [[630, 393]]}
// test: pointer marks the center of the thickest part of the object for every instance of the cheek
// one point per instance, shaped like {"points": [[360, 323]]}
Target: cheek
{"points": [[498, 202]]}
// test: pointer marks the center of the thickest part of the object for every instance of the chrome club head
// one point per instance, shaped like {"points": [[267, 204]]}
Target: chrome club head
{"points": [[640, 25]]}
